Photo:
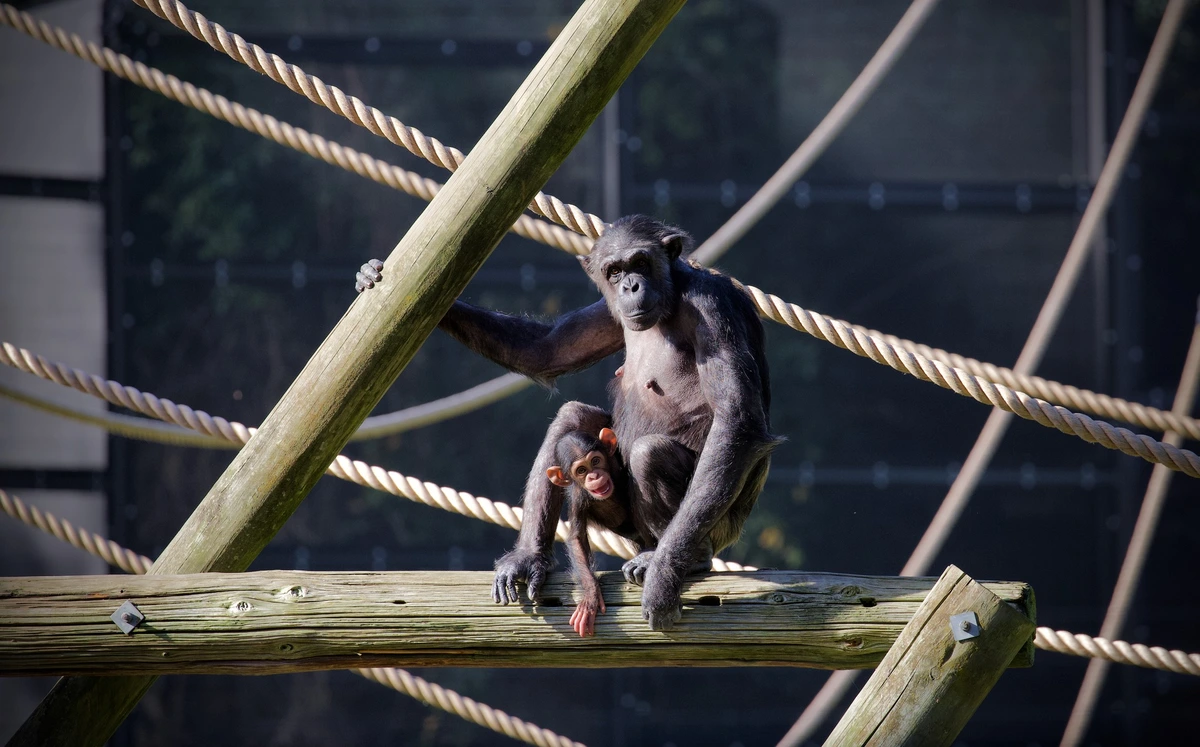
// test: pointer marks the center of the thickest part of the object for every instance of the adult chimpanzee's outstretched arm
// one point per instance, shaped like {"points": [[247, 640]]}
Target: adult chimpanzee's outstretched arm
{"points": [[738, 442], [541, 351], [533, 555]]}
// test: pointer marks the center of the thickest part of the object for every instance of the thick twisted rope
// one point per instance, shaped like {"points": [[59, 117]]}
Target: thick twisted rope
{"points": [[265, 125], [1085, 400], [471, 710], [397, 679], [105, 549], [961, 382], [1120, 652], [1059, 641], [546, 233], [351, 107], [343, 467]]}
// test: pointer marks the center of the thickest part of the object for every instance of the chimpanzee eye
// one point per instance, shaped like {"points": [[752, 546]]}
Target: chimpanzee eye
{"points": [[581, 471], [639, 264], [595, 461], [612, 273]]}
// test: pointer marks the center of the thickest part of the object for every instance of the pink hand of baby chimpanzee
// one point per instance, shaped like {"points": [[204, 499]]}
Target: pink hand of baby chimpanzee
{"points": [[583, 619]]}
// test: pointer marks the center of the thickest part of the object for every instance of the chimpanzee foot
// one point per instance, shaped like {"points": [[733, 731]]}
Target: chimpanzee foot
{"points": [[661, 599], [368, 275], [635, 569], [662, 619]]}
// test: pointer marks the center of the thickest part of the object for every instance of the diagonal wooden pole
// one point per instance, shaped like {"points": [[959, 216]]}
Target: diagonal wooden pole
{"points": [[939, 670], [379, 334]]}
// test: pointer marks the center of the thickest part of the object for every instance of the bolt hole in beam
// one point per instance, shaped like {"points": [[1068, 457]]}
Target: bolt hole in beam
{"points": [[867, 601], [550, 602], [399, 601], [709, 600]]}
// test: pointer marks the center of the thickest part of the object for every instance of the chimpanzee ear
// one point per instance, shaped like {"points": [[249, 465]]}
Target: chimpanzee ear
{"points": [[609, 439], [557, 477], [674, 244]]}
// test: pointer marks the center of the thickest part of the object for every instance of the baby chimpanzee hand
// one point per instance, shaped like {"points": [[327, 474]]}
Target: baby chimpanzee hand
{"points": [[520, 565], [368, 275], [584, 617]]}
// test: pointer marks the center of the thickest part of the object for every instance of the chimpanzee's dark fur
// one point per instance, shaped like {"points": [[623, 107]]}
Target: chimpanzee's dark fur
{"points": [[690, 409]]}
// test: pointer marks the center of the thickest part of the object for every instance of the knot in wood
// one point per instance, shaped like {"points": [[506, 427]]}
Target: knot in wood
{"points": [[240, 606], [294, 592]]}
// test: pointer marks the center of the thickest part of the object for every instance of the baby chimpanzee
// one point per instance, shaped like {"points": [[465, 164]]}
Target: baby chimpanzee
{"points": [[589, 468]]}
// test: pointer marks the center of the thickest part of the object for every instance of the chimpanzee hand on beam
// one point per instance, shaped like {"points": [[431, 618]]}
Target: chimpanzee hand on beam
{"points": [[690, 406]]}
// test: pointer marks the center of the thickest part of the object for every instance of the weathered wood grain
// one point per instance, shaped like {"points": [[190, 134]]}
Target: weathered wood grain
{"points": [[928, 686], [370, 346], [283, 621]]}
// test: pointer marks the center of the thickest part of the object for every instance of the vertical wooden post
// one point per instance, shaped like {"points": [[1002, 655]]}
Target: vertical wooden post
{"points": [[926, 688], [369, 347]]}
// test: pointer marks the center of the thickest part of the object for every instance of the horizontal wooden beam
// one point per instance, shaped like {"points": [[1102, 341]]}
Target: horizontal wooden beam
{"points": [[285, 621]]}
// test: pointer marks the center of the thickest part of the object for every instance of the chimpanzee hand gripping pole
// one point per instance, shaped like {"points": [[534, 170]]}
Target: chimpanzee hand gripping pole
{"points": [[377, 337]]}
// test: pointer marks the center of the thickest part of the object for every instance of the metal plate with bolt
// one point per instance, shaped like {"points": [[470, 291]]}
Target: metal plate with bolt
{"points": [[964, 626], [127, 617]]}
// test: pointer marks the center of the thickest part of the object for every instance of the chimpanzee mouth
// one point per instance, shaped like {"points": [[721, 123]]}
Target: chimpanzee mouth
{"points": [[604, 491], [640, 320]]}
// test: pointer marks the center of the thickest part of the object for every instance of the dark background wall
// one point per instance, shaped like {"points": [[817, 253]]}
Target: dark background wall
{"points": [[940, 215]]}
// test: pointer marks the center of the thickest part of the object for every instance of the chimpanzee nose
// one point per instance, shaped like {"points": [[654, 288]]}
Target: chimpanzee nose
{"points": [[631, 286]]}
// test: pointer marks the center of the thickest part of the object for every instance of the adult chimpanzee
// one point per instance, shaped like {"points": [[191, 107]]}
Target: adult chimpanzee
{"points": [[690, 407], [588, 468]]}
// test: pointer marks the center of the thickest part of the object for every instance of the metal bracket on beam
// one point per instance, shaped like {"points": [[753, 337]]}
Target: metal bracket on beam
{"points": [[964, 626], [127, 617]]}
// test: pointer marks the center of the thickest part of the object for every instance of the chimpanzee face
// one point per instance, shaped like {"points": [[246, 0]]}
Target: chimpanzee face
{"points": [[631, 265], [585, 461]]}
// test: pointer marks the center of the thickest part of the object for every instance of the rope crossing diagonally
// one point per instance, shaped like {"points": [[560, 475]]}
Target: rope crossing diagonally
{"points": [[351, 107], [105, 549], [1073, 397], [471, 710], [546, 233], [961, 382], [1058, 641], [264, 125], [397, 679]]}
